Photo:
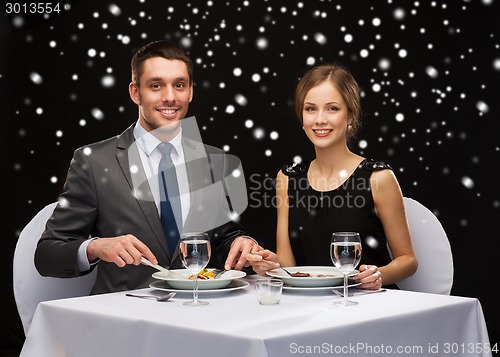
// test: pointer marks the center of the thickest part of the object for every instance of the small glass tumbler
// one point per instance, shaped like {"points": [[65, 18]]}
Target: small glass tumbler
{"points": [[268, 291]]}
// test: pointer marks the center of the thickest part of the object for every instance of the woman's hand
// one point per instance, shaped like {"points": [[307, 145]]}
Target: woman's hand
{"points": [[263, 260], [369, 276]]}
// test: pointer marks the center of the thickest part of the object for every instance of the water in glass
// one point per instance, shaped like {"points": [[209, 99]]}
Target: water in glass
{"points": [[345, 252], [195, 254]]}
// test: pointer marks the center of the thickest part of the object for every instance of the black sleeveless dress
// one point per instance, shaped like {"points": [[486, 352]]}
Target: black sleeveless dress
{"points": [[315, 215]]}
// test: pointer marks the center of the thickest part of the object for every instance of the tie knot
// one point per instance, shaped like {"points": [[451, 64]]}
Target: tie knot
{"points": [[165, 148]]}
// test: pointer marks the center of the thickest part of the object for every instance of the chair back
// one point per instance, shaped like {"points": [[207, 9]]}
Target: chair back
{"points": [[435, 260], [30, 288]]}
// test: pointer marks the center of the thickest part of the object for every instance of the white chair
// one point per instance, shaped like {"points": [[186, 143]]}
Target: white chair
{"points": [[30, 288], [435, 260]]}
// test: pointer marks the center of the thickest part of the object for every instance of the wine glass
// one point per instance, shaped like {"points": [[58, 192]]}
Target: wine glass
{"points": [[195, 253], [345, 251]]}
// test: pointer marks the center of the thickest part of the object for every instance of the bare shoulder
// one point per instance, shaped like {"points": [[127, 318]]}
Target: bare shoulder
{"points": [[384, 181], [384, 176]]}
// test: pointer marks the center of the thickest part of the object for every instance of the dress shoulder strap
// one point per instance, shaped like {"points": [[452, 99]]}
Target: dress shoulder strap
{"points": [[295, 169], [372, 165]]}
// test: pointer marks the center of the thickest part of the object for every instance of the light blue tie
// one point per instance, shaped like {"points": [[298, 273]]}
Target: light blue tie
{"points": [[170, 203]]}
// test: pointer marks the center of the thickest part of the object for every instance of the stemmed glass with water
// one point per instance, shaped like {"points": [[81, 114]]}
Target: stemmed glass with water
{"points": [[345, 251], [195, 253]]}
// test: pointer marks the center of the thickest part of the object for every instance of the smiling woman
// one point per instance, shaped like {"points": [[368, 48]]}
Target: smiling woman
{"points": [[325, 196], [325, 116], [340, 91]]}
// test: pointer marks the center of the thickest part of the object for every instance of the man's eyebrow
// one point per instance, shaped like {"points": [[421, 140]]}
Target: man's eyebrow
{"points": [[161, 79], [154, 79]]}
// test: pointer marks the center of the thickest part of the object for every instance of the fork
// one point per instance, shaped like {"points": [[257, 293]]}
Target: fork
{"points": [[278, 266], [286, 271], [219, 272]]}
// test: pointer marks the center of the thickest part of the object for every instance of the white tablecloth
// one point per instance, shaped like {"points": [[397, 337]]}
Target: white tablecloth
{"points": [[234, 324]]}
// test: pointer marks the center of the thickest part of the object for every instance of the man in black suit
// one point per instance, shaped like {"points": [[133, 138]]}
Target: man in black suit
{"points": [[109, 212]]}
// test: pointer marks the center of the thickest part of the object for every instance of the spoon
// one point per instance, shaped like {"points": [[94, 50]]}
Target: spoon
{"points": [[152, 297]]}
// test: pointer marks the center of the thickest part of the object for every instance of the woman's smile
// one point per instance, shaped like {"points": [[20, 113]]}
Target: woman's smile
{"points": [[321, 133]]}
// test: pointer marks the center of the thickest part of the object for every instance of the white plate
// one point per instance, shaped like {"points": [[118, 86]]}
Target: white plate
{"points": [[317, 288], [334, 276], [183, 283], [235, 284]]}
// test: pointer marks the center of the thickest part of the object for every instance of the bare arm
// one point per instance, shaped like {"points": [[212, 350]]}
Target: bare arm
{"points": [[390, 209], [283, 247]]}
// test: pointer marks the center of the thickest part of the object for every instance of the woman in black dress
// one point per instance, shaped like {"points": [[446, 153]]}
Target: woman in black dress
{"points": [[338, 190]]}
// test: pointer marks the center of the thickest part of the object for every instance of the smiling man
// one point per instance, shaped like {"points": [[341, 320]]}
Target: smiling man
{"points": [[163, 89], [125, 222]]}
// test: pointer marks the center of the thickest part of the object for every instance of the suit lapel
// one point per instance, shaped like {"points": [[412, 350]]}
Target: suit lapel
{"points": [[127, 154]]}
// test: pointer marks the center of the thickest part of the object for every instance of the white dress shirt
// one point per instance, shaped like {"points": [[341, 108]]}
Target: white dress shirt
{"points": [[150, 158]]}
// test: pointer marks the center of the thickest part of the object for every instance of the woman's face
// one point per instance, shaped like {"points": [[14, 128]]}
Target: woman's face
{"points": [[325, 115]]}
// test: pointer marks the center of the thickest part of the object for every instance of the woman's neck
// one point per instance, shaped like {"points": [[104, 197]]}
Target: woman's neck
{"points": [[332, 167], [334, 159]]}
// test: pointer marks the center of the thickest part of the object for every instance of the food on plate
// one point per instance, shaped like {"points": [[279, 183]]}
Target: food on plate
{"points": [[299, 274], [204, 274]]}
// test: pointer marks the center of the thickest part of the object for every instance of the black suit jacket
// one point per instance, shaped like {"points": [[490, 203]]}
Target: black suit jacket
{"points": [[106, 195]]}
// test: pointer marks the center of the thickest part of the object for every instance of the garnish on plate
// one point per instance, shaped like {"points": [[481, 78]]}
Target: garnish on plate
{"points": [[204, 274]]}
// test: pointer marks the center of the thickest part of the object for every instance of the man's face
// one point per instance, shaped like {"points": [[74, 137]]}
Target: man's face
{"points": [[163, 95]]}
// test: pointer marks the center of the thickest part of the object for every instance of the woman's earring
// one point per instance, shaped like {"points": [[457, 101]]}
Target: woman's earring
{"points": [[349, 127]]}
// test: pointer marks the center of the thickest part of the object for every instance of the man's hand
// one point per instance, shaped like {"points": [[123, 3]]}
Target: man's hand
{"points": [[121, 250], [240, 248]]}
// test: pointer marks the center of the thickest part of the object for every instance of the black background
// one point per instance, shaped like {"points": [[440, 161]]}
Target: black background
{"points": [[429, 78]]}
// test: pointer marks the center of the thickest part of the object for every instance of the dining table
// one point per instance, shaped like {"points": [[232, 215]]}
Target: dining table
{"points": [[305, 322]]}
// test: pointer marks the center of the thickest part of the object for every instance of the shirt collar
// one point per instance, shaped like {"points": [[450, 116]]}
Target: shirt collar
{"points": [[148, 142]]}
